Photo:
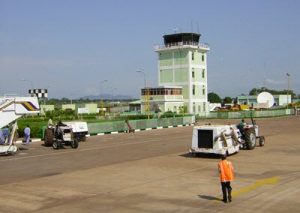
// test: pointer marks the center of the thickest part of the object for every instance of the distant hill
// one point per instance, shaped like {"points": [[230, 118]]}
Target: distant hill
{"points": [[107, 97]]}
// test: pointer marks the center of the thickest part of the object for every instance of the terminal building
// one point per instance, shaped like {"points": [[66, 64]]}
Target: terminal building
{"points": [[182, 67], [279, 100]]}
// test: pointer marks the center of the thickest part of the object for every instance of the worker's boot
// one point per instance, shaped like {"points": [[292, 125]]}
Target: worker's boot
{"points": [[229, 195]]}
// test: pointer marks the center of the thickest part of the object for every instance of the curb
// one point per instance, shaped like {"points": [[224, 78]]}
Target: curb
{"points": [[139, 130], [113, 133], [32, 140]]}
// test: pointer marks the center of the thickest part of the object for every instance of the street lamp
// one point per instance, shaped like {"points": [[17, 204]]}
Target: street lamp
{"points": [[147, 107], [288, 88], [71, 98], [113, 93], [101, 101], [101, 82], [144, 74], [30, 82]]}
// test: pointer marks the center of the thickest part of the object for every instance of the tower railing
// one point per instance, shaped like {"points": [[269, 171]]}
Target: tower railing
{"points": [[176, 44]]}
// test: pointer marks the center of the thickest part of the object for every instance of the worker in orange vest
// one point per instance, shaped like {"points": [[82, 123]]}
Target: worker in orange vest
{"points": [[226, 175]]}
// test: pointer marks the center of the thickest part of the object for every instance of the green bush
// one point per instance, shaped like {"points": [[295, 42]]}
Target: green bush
{"points": [[36, 123], [35, 127], [136, 117]]}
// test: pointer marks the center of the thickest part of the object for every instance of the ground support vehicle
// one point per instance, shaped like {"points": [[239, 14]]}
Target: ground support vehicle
{"points": [[60, 135], [224, 139], [249, 135], [79, 128], [11, 109]]}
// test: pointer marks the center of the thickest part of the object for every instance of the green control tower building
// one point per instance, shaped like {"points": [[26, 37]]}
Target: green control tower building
{"points": [[182, 61]]}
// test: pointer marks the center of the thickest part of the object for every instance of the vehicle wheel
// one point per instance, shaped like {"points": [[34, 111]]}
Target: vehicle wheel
{"points": [[261, 141], [74, 144], [48, 137], [250, 138], [55, 145]]}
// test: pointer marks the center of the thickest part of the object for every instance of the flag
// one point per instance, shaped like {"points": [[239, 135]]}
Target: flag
{"points": [[288, 74]]}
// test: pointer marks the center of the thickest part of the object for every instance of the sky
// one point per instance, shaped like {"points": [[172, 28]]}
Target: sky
{"points": [[76, 48]]}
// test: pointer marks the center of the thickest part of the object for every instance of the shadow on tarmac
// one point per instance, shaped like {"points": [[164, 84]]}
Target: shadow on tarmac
{"points": [[201, 155], [207, 197]]}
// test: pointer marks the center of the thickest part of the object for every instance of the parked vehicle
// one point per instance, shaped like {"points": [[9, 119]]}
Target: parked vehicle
{"points": [[59, 135], [225, 139], [80, 129]]}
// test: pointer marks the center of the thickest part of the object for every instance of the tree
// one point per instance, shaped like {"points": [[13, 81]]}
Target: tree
{"points": [[227, 100], [256, 91], [214, 98]]}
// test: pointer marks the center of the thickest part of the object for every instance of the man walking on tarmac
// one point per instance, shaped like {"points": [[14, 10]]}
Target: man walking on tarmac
{"points": [[226, 175]]}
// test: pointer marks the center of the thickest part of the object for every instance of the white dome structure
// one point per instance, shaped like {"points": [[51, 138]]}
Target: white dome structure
{"points": [[265, 98]]}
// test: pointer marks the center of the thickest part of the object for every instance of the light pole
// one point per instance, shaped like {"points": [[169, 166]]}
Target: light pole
{"points": [[287, 91], [144, 74], [71, 98], [147, 108], [30, 82], [101, 101], [113, 93]]}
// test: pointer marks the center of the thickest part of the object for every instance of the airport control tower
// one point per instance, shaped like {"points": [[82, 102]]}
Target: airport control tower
{"points": [[182, 61]]}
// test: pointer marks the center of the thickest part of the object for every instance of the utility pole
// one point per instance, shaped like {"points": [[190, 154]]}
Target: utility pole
{"points": [[147, 104], [288, 88], [30, 82], [101, 101]]}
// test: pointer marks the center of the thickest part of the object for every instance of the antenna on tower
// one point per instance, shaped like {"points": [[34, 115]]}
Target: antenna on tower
{"points": [[192, 26], [198, 30], [265, 86]]}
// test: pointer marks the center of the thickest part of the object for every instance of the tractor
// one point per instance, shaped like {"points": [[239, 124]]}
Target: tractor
{"points": [[249, 135], [225, 139], [59, 135]]}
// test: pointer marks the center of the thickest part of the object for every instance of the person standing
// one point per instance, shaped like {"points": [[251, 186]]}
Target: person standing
{"points": [[2, 138], [226, 176], [27, 134]]}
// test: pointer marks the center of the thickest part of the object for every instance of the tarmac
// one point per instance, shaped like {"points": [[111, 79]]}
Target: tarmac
{"points": [[152, 171]]}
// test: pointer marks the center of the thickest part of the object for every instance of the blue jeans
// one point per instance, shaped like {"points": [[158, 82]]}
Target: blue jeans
{"points": [[27, 138]]}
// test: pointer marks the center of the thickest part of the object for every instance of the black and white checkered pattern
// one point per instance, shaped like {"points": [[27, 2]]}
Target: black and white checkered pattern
{"points": [[40, 93]]}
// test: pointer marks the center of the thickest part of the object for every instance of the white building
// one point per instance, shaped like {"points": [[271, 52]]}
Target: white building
{"points": [[162, 99], [182, 61], [279, 100]]}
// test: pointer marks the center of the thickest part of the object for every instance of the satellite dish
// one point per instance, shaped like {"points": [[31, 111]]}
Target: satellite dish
{"points": [[265, 98]]}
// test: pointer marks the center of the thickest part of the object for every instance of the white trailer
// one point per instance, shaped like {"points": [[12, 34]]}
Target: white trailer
{"points": [[79, 128], [11, 109], [215, 139], [224, 139]]}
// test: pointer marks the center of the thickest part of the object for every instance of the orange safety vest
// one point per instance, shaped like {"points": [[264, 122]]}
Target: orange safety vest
{"points": [[226, 171]]}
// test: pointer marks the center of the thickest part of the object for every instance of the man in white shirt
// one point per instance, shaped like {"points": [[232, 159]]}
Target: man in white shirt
{"points": [[27, 134]]}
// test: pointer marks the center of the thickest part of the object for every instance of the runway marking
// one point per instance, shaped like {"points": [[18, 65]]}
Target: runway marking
{"points": [[268, 181]]}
